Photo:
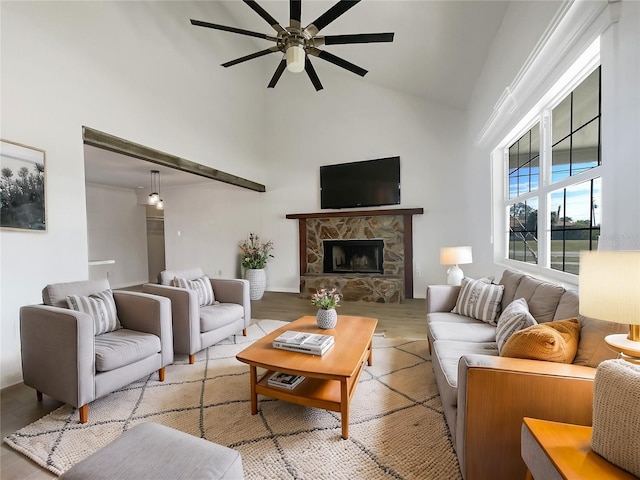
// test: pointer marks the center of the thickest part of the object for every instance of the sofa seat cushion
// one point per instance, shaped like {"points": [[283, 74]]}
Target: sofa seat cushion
{"points": [[448, 317], [215, 316], [445, 356], [123, 347], [468, 332]]}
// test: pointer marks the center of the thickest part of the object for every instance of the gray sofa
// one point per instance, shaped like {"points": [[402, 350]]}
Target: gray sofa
{"points": [[485, 396], [196, 327]]}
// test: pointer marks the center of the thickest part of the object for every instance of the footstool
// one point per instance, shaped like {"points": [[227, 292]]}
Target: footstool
{"points": [[150, 451]]}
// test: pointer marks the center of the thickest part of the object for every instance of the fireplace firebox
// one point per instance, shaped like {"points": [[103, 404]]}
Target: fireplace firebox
{"points": [[353, 256]]}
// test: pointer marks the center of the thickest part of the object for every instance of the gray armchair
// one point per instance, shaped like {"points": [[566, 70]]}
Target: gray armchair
{"points": [[197, 327], [63, 358]]}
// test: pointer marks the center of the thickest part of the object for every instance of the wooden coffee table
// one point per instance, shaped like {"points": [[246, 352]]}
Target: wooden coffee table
{"points": [[330, 379]]}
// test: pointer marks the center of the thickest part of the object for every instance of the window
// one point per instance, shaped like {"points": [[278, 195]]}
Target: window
{"points": [[552, 181]]}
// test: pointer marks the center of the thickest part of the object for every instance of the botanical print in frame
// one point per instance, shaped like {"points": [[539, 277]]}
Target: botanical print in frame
{"points": [[22, 187]]}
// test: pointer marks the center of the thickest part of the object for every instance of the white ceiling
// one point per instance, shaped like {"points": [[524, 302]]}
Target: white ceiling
{"points": [[438, 51]]}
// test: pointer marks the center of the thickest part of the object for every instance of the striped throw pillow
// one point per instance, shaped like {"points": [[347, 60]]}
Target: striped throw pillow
{"points": [[202, 286], [101, 307], [479, 299], [515, 317]]}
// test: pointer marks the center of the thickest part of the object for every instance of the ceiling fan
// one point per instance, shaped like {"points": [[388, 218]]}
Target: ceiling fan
{"points": [[299, 43]]}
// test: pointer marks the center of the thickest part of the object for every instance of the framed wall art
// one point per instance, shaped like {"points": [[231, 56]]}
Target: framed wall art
{"points": [[22, 187]]}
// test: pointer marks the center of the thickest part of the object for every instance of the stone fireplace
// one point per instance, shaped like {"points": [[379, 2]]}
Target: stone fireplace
{"points": [[367, 255]]}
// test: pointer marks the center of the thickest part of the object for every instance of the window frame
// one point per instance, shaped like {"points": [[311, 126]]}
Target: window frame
{"points": [[540, 113]]}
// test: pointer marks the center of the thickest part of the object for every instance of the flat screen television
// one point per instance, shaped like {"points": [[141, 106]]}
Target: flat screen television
{"points": [[369, 183]]}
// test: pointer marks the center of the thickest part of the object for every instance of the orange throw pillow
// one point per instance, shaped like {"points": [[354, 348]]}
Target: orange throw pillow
{"points": [[550, 341]]}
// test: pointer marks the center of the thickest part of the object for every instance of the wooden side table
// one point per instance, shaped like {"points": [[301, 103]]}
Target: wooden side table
{"points": [[563, 451]]}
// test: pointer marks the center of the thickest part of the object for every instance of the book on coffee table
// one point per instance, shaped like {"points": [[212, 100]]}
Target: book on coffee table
{"points": [[312, 343], [285, 380]]}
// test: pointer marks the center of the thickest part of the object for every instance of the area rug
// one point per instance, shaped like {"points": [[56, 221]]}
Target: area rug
{"points": [[397, 427]]}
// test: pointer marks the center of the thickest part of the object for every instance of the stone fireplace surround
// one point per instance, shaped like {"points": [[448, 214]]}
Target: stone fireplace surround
{"points": [[393, 226]]}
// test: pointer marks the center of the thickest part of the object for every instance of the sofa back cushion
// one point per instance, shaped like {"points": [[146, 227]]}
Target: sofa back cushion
{"points": [[510, 279], [568, 307], [55, 294], [592, 349], [542, 297], [166, 276]]}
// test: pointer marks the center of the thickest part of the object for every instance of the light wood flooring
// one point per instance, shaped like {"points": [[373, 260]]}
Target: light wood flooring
{"points": [[20, 408]]}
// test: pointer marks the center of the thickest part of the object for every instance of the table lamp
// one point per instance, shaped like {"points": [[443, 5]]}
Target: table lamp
{"points": [[610, 290], [455, 256]]}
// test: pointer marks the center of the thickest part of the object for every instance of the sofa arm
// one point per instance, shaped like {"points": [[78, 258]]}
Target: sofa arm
{"points": [[58, 356], [228, 290], [442, 298], [185, 313], [147, 313], [495, 393]]}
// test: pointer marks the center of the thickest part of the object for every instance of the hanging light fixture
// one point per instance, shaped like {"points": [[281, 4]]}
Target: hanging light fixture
{"points": [[154, 196]]}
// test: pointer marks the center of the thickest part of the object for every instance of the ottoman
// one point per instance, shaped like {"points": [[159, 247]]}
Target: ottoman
{"points": [[152, 451]]}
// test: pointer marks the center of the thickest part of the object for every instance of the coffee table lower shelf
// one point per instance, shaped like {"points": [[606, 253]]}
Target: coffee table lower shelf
{"points": [[328, 394]]}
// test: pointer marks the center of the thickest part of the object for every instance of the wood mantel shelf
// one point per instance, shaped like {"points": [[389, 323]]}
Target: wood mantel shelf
{"points": [[407, 216], [358, 213]]}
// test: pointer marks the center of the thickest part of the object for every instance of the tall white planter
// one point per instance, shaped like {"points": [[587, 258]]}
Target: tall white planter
{"points": [[257, 282]]}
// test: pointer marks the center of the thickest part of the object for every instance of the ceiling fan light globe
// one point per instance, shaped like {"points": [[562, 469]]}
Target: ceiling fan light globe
{"points": [[295, 59]]}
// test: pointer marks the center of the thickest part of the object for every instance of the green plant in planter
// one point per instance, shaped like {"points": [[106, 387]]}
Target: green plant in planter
{"points": [[255, 253], [326, 299]]}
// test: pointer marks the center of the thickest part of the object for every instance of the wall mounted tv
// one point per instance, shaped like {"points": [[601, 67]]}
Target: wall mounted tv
{"points": [[370, 183]]}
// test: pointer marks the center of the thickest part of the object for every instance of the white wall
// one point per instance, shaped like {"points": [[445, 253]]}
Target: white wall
{"points": [[350, 121], [116, 230], [131, 69]]}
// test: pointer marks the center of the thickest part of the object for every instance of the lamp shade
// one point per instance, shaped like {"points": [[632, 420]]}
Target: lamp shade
{"points": [[455, 255], [610, 286], [295, 59]]}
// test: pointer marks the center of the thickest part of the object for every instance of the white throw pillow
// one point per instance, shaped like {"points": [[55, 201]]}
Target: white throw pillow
{"points": [[514, 318], [202, 286], [101, 307], [479, 299]]}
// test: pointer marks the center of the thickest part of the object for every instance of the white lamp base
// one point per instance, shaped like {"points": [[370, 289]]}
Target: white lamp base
{"points": [[628, 349], [454, 275]]}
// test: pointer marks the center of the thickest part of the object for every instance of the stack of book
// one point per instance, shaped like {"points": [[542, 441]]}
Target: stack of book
{"points": [[285, 380], [311, 343]]}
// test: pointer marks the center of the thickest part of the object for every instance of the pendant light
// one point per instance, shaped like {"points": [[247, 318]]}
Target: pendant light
{"points": [[154, 196]]}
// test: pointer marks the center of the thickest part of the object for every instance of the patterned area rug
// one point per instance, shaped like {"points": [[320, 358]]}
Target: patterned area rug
{"points": [[397, 428]]}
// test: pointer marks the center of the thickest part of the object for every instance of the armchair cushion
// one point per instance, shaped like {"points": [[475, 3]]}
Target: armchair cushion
{"points": [[213, 317], [202, 285], [55, 294], [101, 307], [123, 347]]}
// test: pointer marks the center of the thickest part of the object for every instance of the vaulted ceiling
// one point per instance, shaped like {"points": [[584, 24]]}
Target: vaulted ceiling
{"points": [[438, 51]]}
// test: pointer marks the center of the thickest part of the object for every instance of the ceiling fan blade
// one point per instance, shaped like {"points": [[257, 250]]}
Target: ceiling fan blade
{"points": [[265, 15], [313, 76], [278, 73], [261, 53], [329, 16], [357, 38], [331, 58], [295, 12], [224, 28]]}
